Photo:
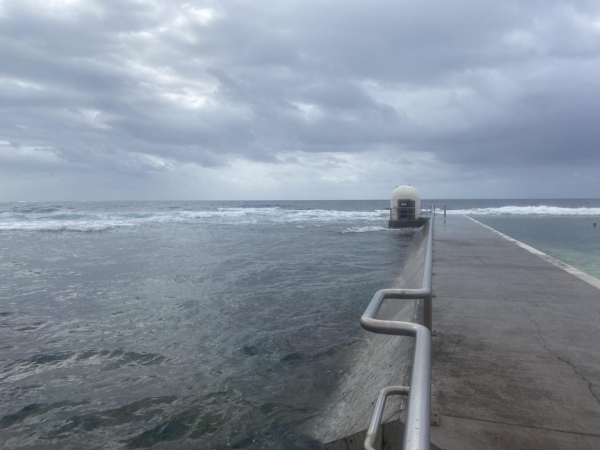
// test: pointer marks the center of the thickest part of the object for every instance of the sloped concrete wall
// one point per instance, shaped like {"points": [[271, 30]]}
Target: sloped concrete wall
{"points": [[376, 362]]}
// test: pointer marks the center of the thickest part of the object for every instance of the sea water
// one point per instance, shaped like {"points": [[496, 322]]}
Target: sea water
{"points": [[186, 324], [206, 324]]}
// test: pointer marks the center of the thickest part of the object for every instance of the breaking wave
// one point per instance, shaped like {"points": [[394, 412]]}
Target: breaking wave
{"points": [[51, 225], [529, 211], [55, 219]]}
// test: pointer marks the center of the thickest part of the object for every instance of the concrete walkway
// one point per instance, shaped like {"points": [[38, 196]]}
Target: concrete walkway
{"points": [[516, 346]]}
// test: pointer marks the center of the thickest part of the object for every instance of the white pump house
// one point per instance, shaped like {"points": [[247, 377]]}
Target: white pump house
{"points": [[405, 207]]}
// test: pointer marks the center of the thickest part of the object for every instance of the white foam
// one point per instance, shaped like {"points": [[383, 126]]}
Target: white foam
{"points": [[362, 221], [53, 225], [61, 220], [322, 215], [528, 211], [364, 229]]}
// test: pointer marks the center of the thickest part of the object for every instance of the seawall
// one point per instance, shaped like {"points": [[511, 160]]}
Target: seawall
{"points": [[515, 354], [376, 362]]}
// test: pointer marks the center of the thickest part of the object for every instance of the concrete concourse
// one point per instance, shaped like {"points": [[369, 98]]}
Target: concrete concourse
{"points": [[516, 346]]}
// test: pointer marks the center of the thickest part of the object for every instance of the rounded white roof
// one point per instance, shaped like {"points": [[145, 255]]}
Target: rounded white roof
{"points": [[406, 192]]}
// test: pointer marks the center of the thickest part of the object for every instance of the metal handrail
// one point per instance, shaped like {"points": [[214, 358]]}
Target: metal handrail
{"points": [[378, 412], [418, 408]]}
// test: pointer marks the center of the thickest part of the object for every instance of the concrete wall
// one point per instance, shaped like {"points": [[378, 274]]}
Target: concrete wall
{"points": [[377, 361]]}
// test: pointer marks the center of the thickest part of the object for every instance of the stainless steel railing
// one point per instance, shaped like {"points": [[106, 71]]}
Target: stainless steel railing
{"points": [[418, 408]]}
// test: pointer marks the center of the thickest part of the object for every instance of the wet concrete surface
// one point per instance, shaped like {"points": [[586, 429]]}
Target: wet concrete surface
{"points": [[516, 346]]}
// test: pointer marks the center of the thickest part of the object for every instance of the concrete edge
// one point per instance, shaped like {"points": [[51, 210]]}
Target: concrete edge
{"points": [[558, 263]]}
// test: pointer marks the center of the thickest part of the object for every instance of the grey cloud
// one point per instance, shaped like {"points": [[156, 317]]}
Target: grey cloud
{"points": [[142, 87]]}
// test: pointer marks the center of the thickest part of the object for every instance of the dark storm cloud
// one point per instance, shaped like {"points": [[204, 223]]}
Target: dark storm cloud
{"points": [[136, 86]]}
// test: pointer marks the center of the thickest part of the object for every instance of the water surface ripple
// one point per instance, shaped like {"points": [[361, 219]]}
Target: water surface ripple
{"points": [[195, 324]]}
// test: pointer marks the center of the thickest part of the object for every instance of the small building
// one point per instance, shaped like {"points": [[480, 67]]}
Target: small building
{"points": [[405, 208]]}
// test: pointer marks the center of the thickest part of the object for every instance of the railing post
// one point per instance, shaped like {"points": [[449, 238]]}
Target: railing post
{"points": [[428, 312], [427, 278]]}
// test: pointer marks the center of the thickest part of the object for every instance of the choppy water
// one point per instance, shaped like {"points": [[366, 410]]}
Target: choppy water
{"points": [[205, 324], [199, 325]]}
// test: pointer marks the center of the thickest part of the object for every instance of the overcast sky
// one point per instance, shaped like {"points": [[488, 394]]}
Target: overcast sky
{"points": [[284, 99]]}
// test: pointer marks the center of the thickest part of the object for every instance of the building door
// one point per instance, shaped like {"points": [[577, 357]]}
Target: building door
{"points": [[406, 209]]}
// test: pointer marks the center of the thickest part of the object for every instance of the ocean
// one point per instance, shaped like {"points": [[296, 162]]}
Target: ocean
{"points": [[206, 324]]}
